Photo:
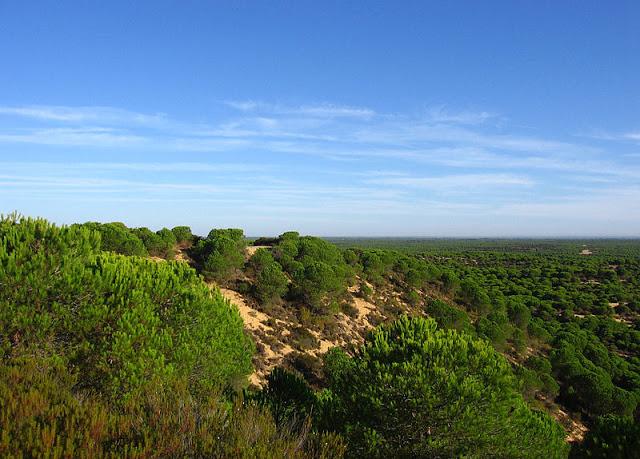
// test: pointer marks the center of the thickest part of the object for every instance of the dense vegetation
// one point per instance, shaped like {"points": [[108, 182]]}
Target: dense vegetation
{"points": [[417, 391], [107, 355], [567, 316], [106, 352], [116, 237], [220, 254]]}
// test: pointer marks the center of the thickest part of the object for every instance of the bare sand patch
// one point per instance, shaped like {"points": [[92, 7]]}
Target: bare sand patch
{"points": [[253, 319], [251, 249], [271, 355]]}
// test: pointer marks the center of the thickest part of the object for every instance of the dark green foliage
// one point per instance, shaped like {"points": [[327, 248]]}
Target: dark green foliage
{"points": [[541, 368], [413, 298], [183, 235], [315, 283], [539, 297], [271, 283], [417, 391], [450, 282], [318, 270], [589, 374], [372, 267], [260, 259], [365, 291], [221, 253], [494, 332], [474, 296], [337, 367], [448, 316], [519, 314], [265, 241], [110, 356], [537, 330], [288, 396], [116, 237], [160, 244], [351, 258], [612, 437]]}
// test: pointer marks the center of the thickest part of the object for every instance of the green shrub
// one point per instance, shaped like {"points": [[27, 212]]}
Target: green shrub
{"points": [[612, 437], [288, 396], [413, 298], [221, 253], [260, 259], [116, 237], [271, 284], [183, 235], [519, 314], [416, 391], [365, 291], [121, 321], [447, 316], [317, 268], [160, 244]]}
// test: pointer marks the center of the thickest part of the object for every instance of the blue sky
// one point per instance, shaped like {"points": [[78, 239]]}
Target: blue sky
{"points": [[331, 118]]}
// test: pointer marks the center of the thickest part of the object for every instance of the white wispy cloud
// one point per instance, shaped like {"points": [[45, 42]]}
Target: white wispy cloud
{"points": [[67, 114], [324, 110], [75, 137], [441, 114], [463, 182], [243, 105], [170, 167], [455, 139], [332, 111], [608, 205], [239, 183]]}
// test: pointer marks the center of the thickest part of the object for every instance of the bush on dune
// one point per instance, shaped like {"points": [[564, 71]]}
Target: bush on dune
{"points": [[414, 390], [159, 244], [116, 237], [121, 321], [317, 268], [183, 235], [220, 254]]}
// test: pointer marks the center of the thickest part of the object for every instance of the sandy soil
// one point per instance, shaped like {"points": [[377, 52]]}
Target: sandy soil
{"points": [[253, 319], [250, 250], [181, 256], [575, 429], [273, 351], [255, 322]]}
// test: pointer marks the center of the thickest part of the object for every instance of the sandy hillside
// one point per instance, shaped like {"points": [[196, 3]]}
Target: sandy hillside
{"points": [[273, 335]]}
